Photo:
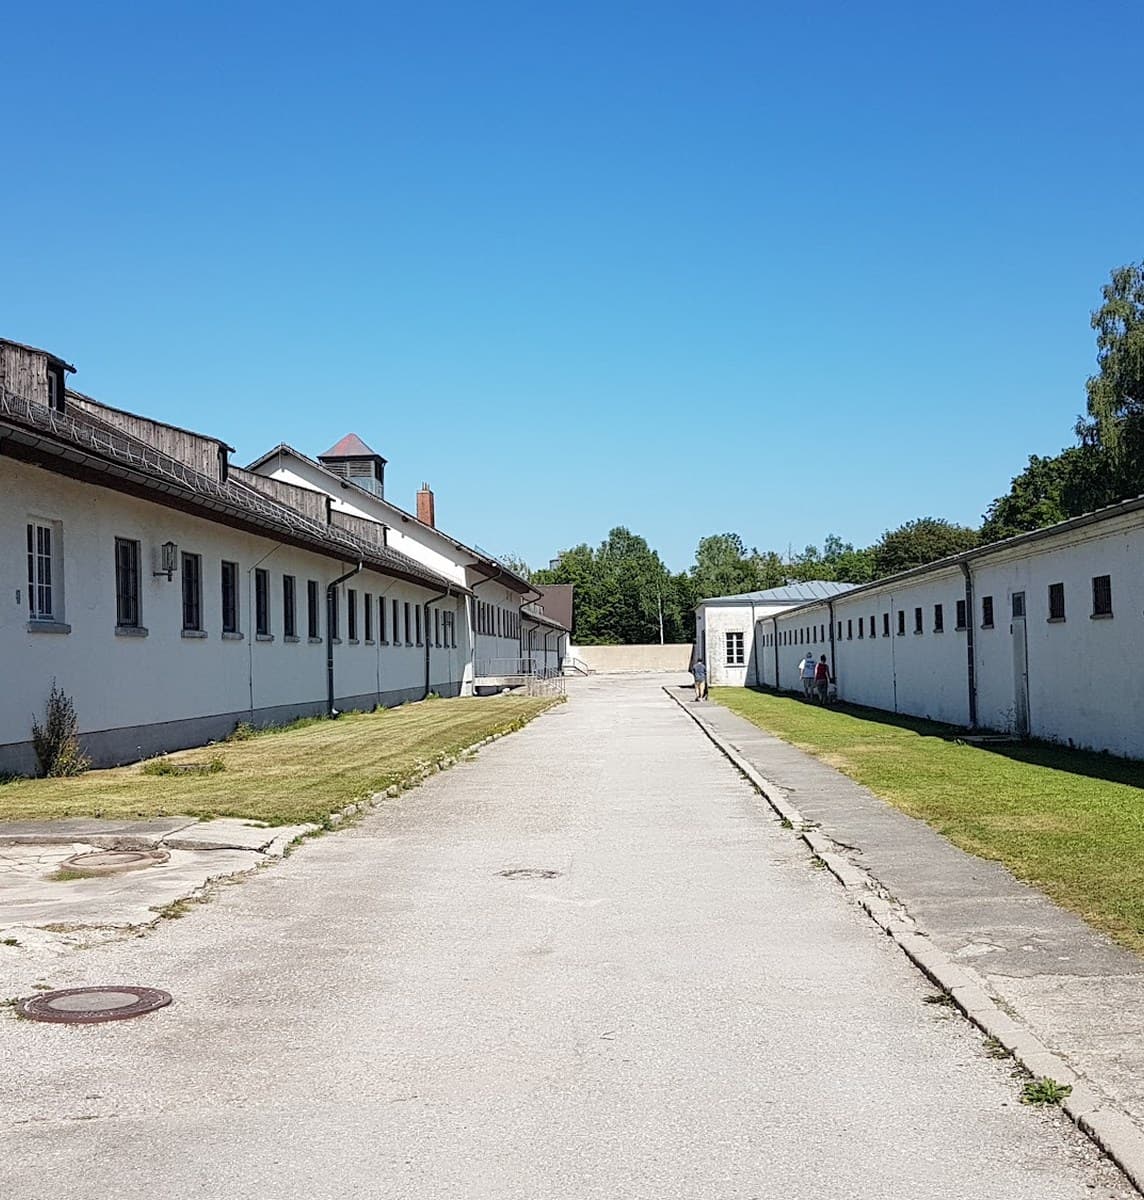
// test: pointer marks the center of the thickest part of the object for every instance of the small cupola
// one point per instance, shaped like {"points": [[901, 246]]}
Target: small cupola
{"points": [[353, 460]]}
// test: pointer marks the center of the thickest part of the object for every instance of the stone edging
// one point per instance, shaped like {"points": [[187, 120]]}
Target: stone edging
{"points": [[1107, 1125]]}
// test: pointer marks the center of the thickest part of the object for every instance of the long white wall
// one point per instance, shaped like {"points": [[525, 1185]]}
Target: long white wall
{"points": [[1084, 683], [140, 694]]}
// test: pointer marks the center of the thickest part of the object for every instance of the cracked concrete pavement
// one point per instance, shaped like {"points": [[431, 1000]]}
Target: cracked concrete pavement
{"points": [[688, 1009]]}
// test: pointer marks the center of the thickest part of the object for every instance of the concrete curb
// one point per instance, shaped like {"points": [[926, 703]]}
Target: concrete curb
{"points": [[1108, 1126]]}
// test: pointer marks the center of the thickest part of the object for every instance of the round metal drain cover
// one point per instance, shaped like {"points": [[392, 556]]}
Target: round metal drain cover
{"points": [[529, 873], [111, 862], [85, 1006]]}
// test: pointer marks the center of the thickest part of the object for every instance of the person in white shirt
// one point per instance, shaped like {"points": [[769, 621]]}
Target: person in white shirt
{"points": [[806, 671]]}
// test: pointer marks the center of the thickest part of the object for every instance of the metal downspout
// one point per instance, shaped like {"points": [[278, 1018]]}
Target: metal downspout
{"points": [[428, 640], [755, 644], [331, 592], [775, 646], [833, 671], [970, 646]]}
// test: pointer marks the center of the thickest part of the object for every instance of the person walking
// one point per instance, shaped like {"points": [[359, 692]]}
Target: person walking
{"points": [[821, 679], [806, 672], [699, 670]]}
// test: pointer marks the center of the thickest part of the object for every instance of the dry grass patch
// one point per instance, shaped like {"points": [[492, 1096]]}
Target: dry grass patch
{"points": [[281, 777], [1068, 821]]}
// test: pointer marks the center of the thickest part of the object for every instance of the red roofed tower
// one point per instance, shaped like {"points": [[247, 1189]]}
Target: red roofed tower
{"points": [[352, 459]]}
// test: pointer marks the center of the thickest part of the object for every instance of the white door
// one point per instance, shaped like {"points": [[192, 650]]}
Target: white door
{"points": [[1020, 667]]}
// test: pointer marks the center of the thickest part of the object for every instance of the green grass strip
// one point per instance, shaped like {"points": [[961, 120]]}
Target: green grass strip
{"points": [[300, 773], [1069, 822]]}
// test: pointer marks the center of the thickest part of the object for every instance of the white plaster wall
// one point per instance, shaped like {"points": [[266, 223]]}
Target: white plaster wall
{"points": [[119, 682], [716, 620], [1085, 683]]}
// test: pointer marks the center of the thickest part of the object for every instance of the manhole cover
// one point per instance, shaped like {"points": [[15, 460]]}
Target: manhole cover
{"points": [[529, 873], [110, 862], [84, 1006]]}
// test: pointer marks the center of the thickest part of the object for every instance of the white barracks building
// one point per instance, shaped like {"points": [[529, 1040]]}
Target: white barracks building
{"points": [[1041, 635], [172, 594]]}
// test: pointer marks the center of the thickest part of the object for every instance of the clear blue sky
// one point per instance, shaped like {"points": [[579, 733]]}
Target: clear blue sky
{"points": [[782, 269]]}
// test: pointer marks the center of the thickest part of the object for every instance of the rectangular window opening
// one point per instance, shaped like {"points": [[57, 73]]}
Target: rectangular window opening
{"points": [[313, 620], [126, 583], [1102, 596], [192, 569], [735, 650], [1056, 601], [261, 601], [289, 607], [229, 597]]}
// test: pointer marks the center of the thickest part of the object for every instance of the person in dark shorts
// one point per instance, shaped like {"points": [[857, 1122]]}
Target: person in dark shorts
{"points": [[821, 679]]}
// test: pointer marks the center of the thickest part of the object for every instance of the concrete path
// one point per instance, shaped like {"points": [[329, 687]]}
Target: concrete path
{"points": [[1077, 991], [41, 908], [414, 1008]]}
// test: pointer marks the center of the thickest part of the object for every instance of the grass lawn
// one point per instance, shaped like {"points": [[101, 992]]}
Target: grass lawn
{"points": [[1067, 821], [280, 776]]}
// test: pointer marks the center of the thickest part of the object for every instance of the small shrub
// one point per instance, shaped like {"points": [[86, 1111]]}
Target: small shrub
{"points": [[1044, 1091], [242, 732], [56, 741]]}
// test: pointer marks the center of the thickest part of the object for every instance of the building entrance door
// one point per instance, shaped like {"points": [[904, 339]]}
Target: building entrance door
{"points": [[1020, 667]]}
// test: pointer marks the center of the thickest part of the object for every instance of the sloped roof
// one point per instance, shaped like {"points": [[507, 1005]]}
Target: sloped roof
{"points": [[77, 443], [351, 446], [791, 593]]}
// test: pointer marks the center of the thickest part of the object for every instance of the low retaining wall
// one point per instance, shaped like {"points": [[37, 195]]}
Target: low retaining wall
{"points": [[615, 660]]}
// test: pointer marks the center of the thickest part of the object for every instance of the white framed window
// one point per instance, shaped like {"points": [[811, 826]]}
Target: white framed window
{"points": [[735, 651], [45, 571]]}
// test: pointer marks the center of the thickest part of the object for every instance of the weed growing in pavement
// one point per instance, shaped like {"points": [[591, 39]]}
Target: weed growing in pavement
{"points": [[941, 998], [9, 941], [785, 823], [994, 1048], [1044, 1091], [818, 862], [64, 875]]}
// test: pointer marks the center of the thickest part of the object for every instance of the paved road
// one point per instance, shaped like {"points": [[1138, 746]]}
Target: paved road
{"points": [[688, 1009]]}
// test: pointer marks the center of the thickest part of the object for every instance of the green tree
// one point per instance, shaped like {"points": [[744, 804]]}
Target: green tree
{"points": [[723, 567], [620, 591], [918, 542], [1116, 393]]}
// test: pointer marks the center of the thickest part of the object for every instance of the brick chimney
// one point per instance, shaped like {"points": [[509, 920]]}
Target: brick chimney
{"points": [[425, 512]]}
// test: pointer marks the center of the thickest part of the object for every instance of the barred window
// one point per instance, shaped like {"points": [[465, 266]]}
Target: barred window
{"points": [[313, 621], [229, 597], [126, 583], [261, 602], [192, 592], [289, 607]]}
